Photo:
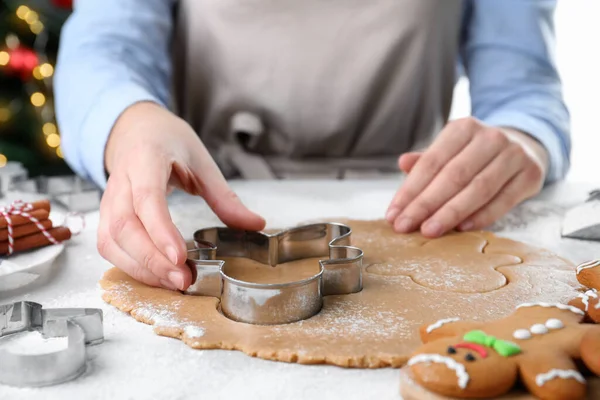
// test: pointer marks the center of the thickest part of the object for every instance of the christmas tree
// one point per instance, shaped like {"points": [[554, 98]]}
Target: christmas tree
{"points": [[29, 37]]}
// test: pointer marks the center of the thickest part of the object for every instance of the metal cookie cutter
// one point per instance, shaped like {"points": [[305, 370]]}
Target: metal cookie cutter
{"points": [[275, 303], [82, 326]]}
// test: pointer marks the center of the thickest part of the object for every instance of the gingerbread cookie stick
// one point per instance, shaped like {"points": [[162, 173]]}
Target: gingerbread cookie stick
{"points": [[37, 240], [37, 205], [18, 220], [24, 230], [41, 205]]}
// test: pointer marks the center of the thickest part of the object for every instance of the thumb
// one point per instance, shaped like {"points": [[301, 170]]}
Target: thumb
{"points": [[221, 198], [229, 208], [407, 161]]}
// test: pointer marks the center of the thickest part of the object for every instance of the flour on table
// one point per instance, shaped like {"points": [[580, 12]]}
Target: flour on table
{"points": [[31, 343], [526, 213]]}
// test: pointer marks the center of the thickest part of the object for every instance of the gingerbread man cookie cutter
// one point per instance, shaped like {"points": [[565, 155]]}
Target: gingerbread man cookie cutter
{"points": [[82, 327], [275, 303]]}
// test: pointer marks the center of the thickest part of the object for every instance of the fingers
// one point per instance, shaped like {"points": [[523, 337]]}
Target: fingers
{"points": [[481, 190], [221, 199], [109, 250], [230, 209], [450, 181], [113, 253], [130, 235], [407, 161], [453, 138], [149, 179], [519, 188]]}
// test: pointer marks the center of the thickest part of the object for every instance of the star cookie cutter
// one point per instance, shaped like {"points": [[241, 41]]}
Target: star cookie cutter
{"points": [[275, 303], [82, 327]]}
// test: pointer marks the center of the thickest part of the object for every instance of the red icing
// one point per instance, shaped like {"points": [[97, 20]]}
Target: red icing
{"points": [[472, 346]]}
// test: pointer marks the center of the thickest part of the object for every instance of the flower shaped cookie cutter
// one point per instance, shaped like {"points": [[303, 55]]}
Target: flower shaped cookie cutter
{"points": [[82, 327], [275, 303]]}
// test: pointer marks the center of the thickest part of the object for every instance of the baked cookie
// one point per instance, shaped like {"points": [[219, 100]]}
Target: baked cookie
{"points": [[410, 390], [588, 274], [538, 345]]}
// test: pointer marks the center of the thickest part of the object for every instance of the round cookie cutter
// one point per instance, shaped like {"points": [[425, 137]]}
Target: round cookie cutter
{"points": [[82, 327], [275, 303]]}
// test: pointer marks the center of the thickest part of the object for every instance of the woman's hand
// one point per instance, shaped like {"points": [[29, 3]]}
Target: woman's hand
{"points": [[149, 152], [470, 176]]}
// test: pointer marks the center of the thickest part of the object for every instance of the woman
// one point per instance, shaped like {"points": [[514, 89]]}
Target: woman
{"points": [[153, 94]]}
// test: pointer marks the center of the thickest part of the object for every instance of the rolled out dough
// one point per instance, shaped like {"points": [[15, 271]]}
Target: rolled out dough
{"points": [[408, 281]]}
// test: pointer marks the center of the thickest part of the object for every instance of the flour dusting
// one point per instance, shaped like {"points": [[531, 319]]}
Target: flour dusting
{"points": [[527, 213], [159, 317], [192, 331], [32, 343], [352, 319]]}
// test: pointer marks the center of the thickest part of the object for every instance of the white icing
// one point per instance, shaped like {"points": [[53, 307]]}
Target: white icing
{"points": [[554, 323], [557, 305], [538, 329], [522, 334], [459, 369], [439, 324], [586, 265], [541, 379], [585, 297]]}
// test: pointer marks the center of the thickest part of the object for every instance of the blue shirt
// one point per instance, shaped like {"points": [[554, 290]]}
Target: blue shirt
{"points": [[114, 53]]}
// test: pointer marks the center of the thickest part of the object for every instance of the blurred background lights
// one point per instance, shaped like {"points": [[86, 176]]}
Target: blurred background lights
{"points": [[49, 128], [4, 114], [53, 140], [4, 58], [38, 99]]}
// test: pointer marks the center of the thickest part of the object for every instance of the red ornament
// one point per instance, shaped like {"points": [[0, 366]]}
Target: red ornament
{"points": [[68, 4], [22, 61]]}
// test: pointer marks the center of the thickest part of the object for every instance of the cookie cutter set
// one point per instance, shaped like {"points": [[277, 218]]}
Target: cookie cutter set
{"points": [[275, 303], [81, 326], [71, 192]]}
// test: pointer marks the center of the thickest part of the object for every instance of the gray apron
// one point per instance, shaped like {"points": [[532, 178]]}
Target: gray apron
{"points": [[314, 88]]}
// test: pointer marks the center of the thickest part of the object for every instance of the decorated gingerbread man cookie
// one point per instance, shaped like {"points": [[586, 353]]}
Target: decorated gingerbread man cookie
{"points": [[588, 274], [538, 345]]}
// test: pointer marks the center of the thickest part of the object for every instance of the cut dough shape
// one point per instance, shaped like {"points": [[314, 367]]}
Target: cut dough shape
{"points": [[440, 264], [377, 327]]}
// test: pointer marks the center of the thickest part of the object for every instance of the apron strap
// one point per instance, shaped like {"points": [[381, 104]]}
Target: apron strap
{"points": [[245, 132]]}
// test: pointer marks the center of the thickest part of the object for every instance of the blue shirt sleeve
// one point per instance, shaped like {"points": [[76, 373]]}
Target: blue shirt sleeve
{"points": [[113, 53], [507, 51]]}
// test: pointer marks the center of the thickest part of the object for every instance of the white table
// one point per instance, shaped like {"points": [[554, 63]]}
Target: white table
{"points": [[134, 363]]}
